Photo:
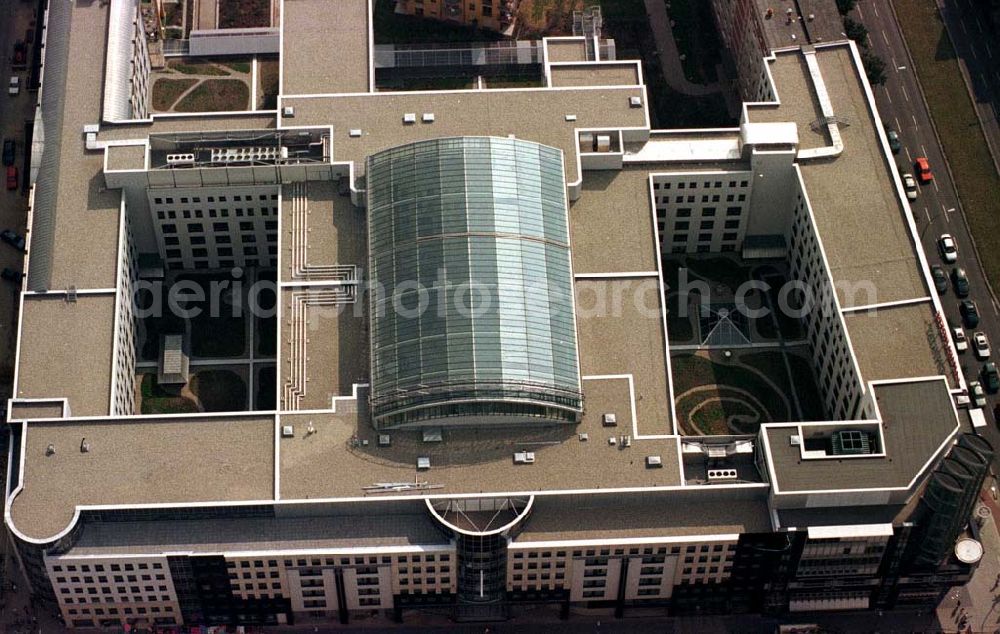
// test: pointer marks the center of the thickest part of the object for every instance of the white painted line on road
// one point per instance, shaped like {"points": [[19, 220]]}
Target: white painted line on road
{"points": [[979, 24], [923, 150], [946, 216], [895, 65], [914, 117], [884, 36], [936, 188], [989, 53], [875, 8], [898, 127], [928, 213], [908, 157], [860, 13], [964, 30], [905, 96], [887, 95], [972, 49]]}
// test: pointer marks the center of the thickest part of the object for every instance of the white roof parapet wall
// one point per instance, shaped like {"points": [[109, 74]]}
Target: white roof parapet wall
{"points": [[118, 64], [819, 86]]}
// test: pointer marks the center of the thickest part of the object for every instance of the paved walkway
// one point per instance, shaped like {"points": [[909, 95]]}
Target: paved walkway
{"points": [[975, 607], [670, 59]]}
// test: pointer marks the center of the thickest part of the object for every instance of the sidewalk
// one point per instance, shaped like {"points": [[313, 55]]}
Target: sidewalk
{"points": [[977, 604]]}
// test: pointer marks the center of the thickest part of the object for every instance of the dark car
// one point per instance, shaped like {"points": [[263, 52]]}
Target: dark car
{"points": [[20, 54], [961, 281], [8, 151], [940, 278], [10, 275], [894, 143], [11, 177], [991, 378], [970, 313], [12, 239]]}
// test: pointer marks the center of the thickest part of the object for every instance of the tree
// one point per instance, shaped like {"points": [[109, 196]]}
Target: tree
{"points": [[845, 6], [874, 67], [856, 31]]}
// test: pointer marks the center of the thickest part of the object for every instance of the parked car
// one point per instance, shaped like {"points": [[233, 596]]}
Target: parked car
{"points": [[910, 186], [14, 85], [11, 275], [12, 239], [961, 281], [981, 345], [940, 278], [970, 313], [923, 167], [20, 54], [894, 143], [11, 177], [8, 151], [991, 379], [948, 248], [978, 394], [958, 336]]}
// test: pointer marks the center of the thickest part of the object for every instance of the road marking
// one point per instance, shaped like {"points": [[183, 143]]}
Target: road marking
{"points": [[860, 13], [895, 65], [979, 24], [884, 36], [989, 53], [972, 49], [936, 188], [908, 157], [914, 117], [928, 213], [875, 8], [905, 96], [887, 95], [964, 30], [945, 210], [898, 127]]}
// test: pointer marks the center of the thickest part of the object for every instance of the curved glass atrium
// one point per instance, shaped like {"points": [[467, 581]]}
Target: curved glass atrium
{"points": [[472, 304]]}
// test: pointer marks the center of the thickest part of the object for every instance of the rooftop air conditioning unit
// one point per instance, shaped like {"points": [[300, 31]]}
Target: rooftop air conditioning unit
{"points": [[185, 158], [410, 118], [654, 462], [722, 475], [524, 457], [635, 102], [609, 420], [355, 132], [288, 111], [384, 440], [428, 117], [287, 431], [423, 463]]}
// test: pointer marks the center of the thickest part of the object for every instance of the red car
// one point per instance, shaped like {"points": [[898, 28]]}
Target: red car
{"points": [[923, 170], [11, 177]]}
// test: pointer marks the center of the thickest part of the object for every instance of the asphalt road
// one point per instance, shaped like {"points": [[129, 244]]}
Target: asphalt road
{"points": [[977, 45], [936, 209]]}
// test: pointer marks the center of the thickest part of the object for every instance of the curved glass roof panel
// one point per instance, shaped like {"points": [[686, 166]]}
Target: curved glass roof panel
{"points": [[469, 255]]}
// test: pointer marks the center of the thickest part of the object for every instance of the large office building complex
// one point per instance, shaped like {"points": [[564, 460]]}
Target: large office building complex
{"points": [[471, 404]]}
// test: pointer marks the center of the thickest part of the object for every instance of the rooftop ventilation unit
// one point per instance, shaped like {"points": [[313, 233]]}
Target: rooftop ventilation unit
{"points": [[410, 118], [571, 117], [635, 102], [247, 154], [433, 434], [355, 132], [654, 462], [423, 463], [722, 475], [384, 440], [288, 111], [428, 117], [584, 437], [287, 431], [524, 457], [609, 420], [185, 158], [795, 440]]}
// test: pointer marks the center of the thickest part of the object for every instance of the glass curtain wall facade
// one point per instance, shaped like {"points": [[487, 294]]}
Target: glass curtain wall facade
{"points": [[472, 307]]}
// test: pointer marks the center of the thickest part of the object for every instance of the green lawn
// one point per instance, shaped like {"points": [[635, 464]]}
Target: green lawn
{"points": [[975, 175], [267, 80], [156, 400], [712, 418], [242, 14], [691, 371], [192, 67], [166, 92], [216, 95]]}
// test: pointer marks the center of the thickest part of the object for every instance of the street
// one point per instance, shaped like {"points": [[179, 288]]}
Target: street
{"points": [[936, 210]]}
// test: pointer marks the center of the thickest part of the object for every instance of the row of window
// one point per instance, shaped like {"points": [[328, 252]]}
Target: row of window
{"points": [[222, 252], [100, 567], [198, 227], [184, 200], [212, 212], [694, 184]]}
